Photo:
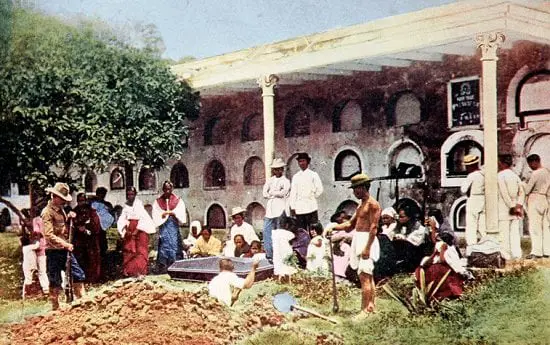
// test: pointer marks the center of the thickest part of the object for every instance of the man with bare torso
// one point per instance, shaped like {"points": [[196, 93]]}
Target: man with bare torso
{"points": [[365, 249]]}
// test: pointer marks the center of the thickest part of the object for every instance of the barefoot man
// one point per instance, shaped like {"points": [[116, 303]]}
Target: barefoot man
{"points": [[365, 249]]}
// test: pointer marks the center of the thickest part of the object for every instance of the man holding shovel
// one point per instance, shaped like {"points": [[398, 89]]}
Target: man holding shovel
{"points": [[365, 249]]}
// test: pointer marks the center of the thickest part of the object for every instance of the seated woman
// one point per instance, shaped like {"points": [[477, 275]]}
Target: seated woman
{"points": [[256, 251], [388, 218], [206, 244], [241, 247], [411, 241], [195, 229], [317, 250], [444, 259], [386, 265]]}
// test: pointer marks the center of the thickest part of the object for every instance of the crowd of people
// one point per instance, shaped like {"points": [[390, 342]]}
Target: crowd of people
{"points": [[365, 247]]}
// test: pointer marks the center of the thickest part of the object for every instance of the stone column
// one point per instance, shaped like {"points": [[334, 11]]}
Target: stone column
{"points": [[268, 83], [489, 43]]}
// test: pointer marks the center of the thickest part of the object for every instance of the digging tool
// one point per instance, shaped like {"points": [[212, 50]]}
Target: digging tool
{"points": [[335, 306], [68, 268], [285, 303]]}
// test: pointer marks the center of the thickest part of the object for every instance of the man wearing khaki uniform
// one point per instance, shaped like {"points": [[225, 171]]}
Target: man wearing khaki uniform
{"points": [[511, 197], [474, 188], [537, 208]]}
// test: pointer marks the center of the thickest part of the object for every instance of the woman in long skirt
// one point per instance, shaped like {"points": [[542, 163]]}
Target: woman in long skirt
{"points": [[134, 226]]}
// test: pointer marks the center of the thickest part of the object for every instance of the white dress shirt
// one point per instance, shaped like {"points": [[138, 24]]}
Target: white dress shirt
{"points": [[306, 187], [276, 191]]}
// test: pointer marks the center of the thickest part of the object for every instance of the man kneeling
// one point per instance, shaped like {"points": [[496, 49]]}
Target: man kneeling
{"points": [[227, 286]]}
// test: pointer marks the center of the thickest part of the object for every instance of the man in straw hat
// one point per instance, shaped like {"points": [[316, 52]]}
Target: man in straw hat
{"points": [[305, 188], [365, 249], [537, 207], [56, 232], [240, 227], [474, 188], [276, 190]]}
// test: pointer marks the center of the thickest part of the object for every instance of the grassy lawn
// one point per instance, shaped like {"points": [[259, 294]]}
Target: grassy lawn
{"points": [[511, 308]]}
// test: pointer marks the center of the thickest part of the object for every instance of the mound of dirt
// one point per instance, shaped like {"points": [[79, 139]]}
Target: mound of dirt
{"points": [[146, 313]]}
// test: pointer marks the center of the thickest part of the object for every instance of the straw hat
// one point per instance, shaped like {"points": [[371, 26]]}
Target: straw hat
{"points": [[359, 180], [237, 210], [470, 159], [61, 190], [277, 163]]}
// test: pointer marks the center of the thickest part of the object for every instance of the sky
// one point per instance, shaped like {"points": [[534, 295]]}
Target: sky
{"points": [[204, 28]]}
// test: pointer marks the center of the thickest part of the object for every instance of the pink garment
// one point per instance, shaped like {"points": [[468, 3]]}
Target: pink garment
{"points": [[341, 262], [38, 232]]}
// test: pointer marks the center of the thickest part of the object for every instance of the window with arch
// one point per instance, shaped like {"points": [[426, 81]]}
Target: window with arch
{"points": [[458, 214], [255, 214], [346, 164], [253, 128], [254, 171], [179, 176], [213, 132], [297, 122], [347, 116], [532, 95], [348, 206], [215, 217], [406, 161], [116, 180], [90, 182], [455, 157], [147, 178], [292, 166], [214, 176], [404, 108]]}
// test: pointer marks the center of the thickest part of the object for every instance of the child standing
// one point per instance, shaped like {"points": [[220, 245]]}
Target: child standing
{"points": [[34, 254], [317, 250]]}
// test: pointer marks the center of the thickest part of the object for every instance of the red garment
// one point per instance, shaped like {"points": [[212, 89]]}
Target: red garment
{"points": [[87, 244], [172, 202], [451, 288], [135, 251]]}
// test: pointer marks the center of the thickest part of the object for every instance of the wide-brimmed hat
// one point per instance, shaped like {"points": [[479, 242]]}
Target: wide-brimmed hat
{"points": [[277, 163], [359, 180], [303, 155], [237, 210], [61, 190], [470, 159]]}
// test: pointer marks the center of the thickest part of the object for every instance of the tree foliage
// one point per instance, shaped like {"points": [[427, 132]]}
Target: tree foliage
{"points": [[73, 100]]}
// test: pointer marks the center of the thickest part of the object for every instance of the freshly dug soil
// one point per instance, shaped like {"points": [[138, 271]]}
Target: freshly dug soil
{"points": [[146, 313]]}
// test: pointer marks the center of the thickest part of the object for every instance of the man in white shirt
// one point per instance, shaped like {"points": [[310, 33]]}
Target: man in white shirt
{"points": [[511, 197], [276, 190], [537, 208], [226, 286], [474, 188], [240, 227], [305, 188]]}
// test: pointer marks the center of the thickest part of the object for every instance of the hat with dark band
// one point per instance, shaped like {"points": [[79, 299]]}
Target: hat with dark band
{"points": [[470, 159], [359, 180]]}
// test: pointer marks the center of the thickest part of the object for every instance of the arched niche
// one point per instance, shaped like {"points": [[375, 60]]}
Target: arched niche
{"points": [[90, 181], [147, 180], [214, 132], [404, 108], [297, 122], [179, 175], [116, 180], [348, 206], [347, 116], [292, 166], [254, 171], [538, 143], [453, 150], [216, 216], [405, 160], [214, 175], [253, 128], [346, 164], [255, 214], [457, 215]]}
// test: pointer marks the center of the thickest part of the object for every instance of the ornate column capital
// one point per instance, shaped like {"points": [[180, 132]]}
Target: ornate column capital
{"points": [[267, 83], [489, 42]]}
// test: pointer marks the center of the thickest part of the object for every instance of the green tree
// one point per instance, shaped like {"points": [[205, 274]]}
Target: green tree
{"points": [[72, 99]]}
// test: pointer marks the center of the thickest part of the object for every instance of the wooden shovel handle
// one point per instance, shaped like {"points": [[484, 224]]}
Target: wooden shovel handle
{"points": [[314, 313]]}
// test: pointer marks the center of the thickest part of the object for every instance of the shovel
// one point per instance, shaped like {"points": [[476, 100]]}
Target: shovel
{"points": [[335, 306], [284, 303]]}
